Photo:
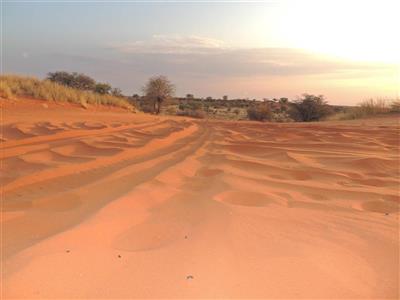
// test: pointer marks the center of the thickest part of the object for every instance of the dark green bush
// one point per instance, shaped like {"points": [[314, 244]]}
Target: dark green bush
{"points": [[102, 88], [310, 108], [73, 80]]}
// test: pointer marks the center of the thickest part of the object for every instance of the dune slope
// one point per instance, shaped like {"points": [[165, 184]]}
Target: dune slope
{"points": [[108, 204]]}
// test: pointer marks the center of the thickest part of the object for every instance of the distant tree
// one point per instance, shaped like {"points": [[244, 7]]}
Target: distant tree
{"points": [[74, 80], [102, 88], [116, 92], [157, 90], [310, 108], [61, 77], [83, 82], [135, 96], [225, 97], [189, 96]]}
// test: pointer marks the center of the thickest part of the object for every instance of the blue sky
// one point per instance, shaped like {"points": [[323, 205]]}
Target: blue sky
{"points": [[253, 50]]}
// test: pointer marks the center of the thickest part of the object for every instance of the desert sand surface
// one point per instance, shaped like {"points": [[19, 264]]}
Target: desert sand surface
{"points": [[102, 203]]}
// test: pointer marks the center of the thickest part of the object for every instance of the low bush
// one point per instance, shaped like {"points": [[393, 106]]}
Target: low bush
{"points": [[310, 108], [261, 112]]}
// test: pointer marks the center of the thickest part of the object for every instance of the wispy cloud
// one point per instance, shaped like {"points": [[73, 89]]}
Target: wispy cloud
{"points": [[175, 44], [202, 56]]}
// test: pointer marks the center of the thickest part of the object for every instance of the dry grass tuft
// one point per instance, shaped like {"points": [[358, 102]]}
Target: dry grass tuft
{"points": [[11, 86], [369, 107]]}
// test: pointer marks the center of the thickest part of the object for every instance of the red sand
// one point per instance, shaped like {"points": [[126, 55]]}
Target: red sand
{"points": [[102, 203]]}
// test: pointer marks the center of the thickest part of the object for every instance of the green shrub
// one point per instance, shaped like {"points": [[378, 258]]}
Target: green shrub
{"points": [[310, 108], [73, 80], [102, 88]]}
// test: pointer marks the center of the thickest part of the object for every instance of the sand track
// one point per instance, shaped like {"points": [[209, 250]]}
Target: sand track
{"points": [[145, 207]]}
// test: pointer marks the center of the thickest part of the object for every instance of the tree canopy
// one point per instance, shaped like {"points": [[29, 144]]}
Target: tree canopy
{"points": [[157, 90]]}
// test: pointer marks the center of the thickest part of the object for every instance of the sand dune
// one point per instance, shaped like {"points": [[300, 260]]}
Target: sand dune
{"points": [[137, 206]]}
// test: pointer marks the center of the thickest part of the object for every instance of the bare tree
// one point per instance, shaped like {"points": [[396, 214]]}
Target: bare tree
{"points": [[158, 89]]}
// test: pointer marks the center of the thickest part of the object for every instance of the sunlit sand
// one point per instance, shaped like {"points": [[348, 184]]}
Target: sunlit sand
{"points": [[101, 203]]}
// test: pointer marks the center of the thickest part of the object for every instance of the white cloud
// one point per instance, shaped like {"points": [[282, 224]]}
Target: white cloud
{"points": [[175, 44]]}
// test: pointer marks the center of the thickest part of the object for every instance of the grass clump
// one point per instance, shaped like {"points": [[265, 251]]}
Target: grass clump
{"points": [[11, 86], [371, 107]]}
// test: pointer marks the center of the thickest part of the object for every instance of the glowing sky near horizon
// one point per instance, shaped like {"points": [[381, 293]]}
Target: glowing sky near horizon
{"points": [[347, 50]]}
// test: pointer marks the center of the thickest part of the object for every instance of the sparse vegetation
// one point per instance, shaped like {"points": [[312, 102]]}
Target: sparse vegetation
{"points": [[159, 90], [191, 109], [370, 107], [12, 86], [260, 112], [83, 82]]}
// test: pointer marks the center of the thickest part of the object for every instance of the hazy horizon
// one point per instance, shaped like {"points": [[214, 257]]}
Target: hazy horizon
{"points": [[345, 50]]}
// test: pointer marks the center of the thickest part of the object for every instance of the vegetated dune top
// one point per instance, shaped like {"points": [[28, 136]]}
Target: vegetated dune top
{"points": [[102, 203]]}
